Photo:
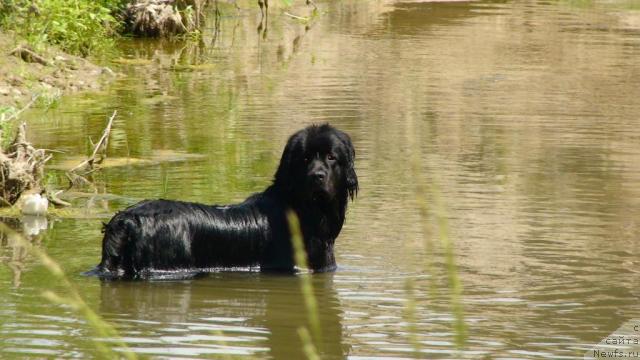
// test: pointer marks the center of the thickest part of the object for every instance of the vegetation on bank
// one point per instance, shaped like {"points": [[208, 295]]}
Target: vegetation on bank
{"points": [[46, 42], [80, 27], [39, 82], [87, 27]]}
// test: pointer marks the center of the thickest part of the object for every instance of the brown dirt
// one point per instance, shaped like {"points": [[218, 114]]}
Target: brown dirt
{"points": [[49, 73]]}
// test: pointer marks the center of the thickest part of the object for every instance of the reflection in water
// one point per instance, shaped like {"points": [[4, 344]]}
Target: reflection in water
{"points": [[413, 18], [226, 313], [33, 225], [12, 252]]}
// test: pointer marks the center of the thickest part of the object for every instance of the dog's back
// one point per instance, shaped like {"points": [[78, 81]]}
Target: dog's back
{"points": [[157, 236]]}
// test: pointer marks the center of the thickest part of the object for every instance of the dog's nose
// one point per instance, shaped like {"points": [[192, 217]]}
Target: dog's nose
{"points": [[319, 175]]}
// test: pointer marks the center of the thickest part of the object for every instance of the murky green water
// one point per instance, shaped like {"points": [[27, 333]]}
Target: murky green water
{"points": [[525, 114]]}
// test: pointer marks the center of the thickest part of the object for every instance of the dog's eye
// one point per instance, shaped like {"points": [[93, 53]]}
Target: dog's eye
{"points": [[331, 157]]}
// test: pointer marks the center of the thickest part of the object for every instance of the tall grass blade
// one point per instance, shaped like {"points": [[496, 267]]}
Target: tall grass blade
{"points": [[309, 350], [306, 286], [455, 284], [410, 315], [423, 190], [102, 328]]}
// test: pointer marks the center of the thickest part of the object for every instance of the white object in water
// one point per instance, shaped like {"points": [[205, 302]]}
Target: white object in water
{"points": [[34, 225], [35, 204]]}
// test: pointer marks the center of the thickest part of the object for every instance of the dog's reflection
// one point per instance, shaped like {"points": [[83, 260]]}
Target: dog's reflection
{"points": [[261, 310]]}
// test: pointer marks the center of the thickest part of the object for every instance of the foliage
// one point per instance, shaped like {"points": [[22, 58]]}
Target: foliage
{"points": [[6, 112], [80, 27]]}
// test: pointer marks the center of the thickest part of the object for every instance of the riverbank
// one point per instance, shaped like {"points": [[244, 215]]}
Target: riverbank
{"points": [[47, 73]]}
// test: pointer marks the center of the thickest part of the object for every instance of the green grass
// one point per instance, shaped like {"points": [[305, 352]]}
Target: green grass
{"points": [[306, 286], [80, 27], [7, 112], [455, 284], [410, 315]]}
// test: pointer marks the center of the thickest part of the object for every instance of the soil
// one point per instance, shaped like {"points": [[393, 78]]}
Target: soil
{"points": [[47, 73]]}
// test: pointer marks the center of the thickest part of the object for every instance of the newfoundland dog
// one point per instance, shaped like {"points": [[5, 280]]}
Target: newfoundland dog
{"points": [[161, 238]]}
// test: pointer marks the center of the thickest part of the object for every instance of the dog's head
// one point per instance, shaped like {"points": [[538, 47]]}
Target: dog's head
{"points": [[318, 164]]}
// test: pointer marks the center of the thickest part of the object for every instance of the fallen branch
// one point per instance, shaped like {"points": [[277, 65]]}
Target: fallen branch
{"points": [[17, 113], [53, 198], [28, 55], [5, 202], [77, 180], [296, 17], [100, 148]]}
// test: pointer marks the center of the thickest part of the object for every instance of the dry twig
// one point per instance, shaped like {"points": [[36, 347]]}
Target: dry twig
{"points": [[99, 151]]}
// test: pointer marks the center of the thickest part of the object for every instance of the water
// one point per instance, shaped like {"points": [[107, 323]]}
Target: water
{"points": [[522, 114]]}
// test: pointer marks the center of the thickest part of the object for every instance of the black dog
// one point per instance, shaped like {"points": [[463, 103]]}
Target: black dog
{"points": [[315, 179]]}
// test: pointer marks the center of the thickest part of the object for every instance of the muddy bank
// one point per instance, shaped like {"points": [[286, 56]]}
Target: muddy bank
{"points": [[47, 73]]}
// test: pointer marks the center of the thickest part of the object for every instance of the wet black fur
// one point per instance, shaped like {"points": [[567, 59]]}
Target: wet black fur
{"points": [[315, 178]]}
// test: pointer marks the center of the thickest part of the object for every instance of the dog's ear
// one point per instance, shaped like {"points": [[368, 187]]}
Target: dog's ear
{"points": [[350, 171], [352, 179], [285, 173]]}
